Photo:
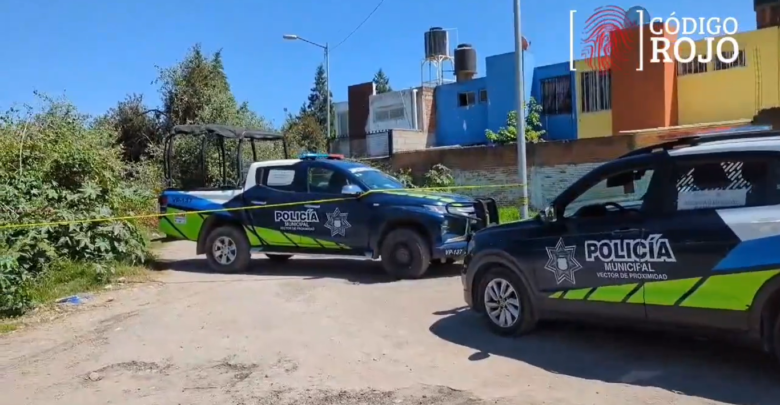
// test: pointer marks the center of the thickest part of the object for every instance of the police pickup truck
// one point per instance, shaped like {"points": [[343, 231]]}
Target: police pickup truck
{"points": [[322, 204], [684, 234]]}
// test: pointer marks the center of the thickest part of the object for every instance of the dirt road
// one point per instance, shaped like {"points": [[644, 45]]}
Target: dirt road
{"points": [[339, 332]]}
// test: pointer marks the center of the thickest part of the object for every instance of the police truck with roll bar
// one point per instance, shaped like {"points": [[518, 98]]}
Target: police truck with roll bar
{"points": [[680, 235], [317, 204]]}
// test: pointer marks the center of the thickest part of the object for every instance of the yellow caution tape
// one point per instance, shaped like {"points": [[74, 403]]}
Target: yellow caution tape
{"points": [[329, 200]]}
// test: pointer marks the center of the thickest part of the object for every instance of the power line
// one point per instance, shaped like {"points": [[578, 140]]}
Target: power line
{"points": [[360, 25]]}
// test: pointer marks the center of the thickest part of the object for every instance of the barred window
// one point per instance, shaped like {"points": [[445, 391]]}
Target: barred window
{"points": [[596, 91], [556, 95], [741, 61]]}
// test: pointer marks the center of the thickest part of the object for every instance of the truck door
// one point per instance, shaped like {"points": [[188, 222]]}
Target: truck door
{"points": [[595, 257], [720, 219], [344, 218], [279, 217]]}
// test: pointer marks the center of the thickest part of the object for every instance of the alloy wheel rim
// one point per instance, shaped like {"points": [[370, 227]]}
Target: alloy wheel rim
{"points": [[502, 303], [225, 250]]}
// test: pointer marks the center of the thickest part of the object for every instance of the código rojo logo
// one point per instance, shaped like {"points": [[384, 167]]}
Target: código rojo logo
{"points": [[606, 29]]}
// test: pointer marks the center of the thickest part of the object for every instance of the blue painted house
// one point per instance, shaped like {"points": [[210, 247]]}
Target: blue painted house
{"points": [[465, 109]]}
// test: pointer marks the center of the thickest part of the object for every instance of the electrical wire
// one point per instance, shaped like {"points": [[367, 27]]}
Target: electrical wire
{"points": [[365, 20]]}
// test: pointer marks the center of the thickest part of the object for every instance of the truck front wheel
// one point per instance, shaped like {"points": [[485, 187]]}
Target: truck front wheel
{"points": [[227, 250], [405, 254]]}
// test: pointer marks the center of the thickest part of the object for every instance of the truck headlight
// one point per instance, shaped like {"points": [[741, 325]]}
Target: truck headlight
{"points": [[437, 208]]}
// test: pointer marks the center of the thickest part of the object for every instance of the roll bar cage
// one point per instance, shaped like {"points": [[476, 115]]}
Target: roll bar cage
{"points": [[222, 132]]}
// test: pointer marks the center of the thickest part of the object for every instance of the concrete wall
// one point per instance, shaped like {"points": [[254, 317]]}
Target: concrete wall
{"points": [[501, 85], [460, 125], [378, 144], [552, 166], [736, 93], [342, 119], [559, 127]]}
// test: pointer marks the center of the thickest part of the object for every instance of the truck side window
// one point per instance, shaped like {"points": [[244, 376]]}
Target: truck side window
{"points": [[632, 194], [324, 180], [721, 183], [281, 178]]}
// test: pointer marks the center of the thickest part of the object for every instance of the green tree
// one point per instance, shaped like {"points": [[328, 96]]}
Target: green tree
{"points": [[304, 134], [382, 82], [137, 130], [533, 126], [317, 104], [196, 91]]}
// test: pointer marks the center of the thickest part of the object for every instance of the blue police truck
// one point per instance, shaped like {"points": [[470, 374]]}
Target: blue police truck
{"points": [[318, 204]]}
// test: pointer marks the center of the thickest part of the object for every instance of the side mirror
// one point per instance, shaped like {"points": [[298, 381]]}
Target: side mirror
{"points": [[351, 189], [548, 214]]}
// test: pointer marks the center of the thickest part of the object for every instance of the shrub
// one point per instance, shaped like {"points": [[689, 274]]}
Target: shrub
{"points": [[55, 166]]}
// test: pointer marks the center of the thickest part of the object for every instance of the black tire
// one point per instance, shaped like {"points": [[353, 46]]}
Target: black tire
{"points": [[776, 337], [405, 254], [222, 235], [525, 322], [277, 257]]}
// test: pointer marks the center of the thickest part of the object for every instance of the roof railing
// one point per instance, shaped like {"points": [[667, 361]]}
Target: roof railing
{"points": [[702, 139]]}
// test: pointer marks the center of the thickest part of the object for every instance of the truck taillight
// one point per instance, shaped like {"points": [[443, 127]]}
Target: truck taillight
{"points": [[163, 202]]}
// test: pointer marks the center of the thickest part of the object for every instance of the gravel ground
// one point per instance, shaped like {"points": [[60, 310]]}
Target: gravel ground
{"points": [[319, 331]]}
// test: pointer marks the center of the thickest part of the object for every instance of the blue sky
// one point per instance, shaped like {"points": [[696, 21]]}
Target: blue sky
{"points": [[96, 51]]}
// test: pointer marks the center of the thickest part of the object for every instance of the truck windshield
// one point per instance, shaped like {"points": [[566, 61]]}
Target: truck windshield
{"points": [[377, 180]]}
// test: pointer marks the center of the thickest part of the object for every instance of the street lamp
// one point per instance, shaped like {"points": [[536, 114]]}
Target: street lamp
{"points": [[521, 159], [292, 37]]}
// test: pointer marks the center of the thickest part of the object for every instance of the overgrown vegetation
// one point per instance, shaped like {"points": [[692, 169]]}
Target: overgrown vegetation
{"points": [[533, 126], [57, 164]]}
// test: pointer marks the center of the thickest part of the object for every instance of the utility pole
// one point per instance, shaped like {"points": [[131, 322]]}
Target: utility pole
{"points": [[521, 160], [326, 48], [327, 91]]}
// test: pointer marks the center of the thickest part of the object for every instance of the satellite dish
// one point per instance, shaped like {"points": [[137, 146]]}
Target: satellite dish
{"points": [[632, 16]]}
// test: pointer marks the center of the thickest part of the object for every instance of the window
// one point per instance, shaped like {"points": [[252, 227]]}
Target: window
{"points": [[389, 114], [691, 68], [721, 184], [596, 90], [280, 178], [342, 128], [740, 62], [483, 98], [630, 196], [556, 95], [467, 99], [375, 179], [324, 180]]}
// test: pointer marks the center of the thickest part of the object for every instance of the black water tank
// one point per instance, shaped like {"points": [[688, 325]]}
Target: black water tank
{"points": [[437, 43], [465, 62]]}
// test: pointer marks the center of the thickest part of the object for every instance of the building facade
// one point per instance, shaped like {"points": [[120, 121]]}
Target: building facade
{"points": [[588, 102], [467, 108]]}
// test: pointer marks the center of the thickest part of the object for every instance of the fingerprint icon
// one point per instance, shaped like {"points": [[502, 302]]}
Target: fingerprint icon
{"points": [[600, 28]]}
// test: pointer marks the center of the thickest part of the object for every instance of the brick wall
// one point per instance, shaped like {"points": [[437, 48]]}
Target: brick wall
{"points": [[410, 140], [552, 166], [428, 122]]}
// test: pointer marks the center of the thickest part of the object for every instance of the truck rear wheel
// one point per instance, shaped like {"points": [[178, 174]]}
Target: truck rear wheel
{"points": [[776, 338], [405, 254], [227, 250]]}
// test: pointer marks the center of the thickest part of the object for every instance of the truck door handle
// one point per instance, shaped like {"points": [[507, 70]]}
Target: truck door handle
{"points": [[258, 202], [626, 232], [311, 206]]}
